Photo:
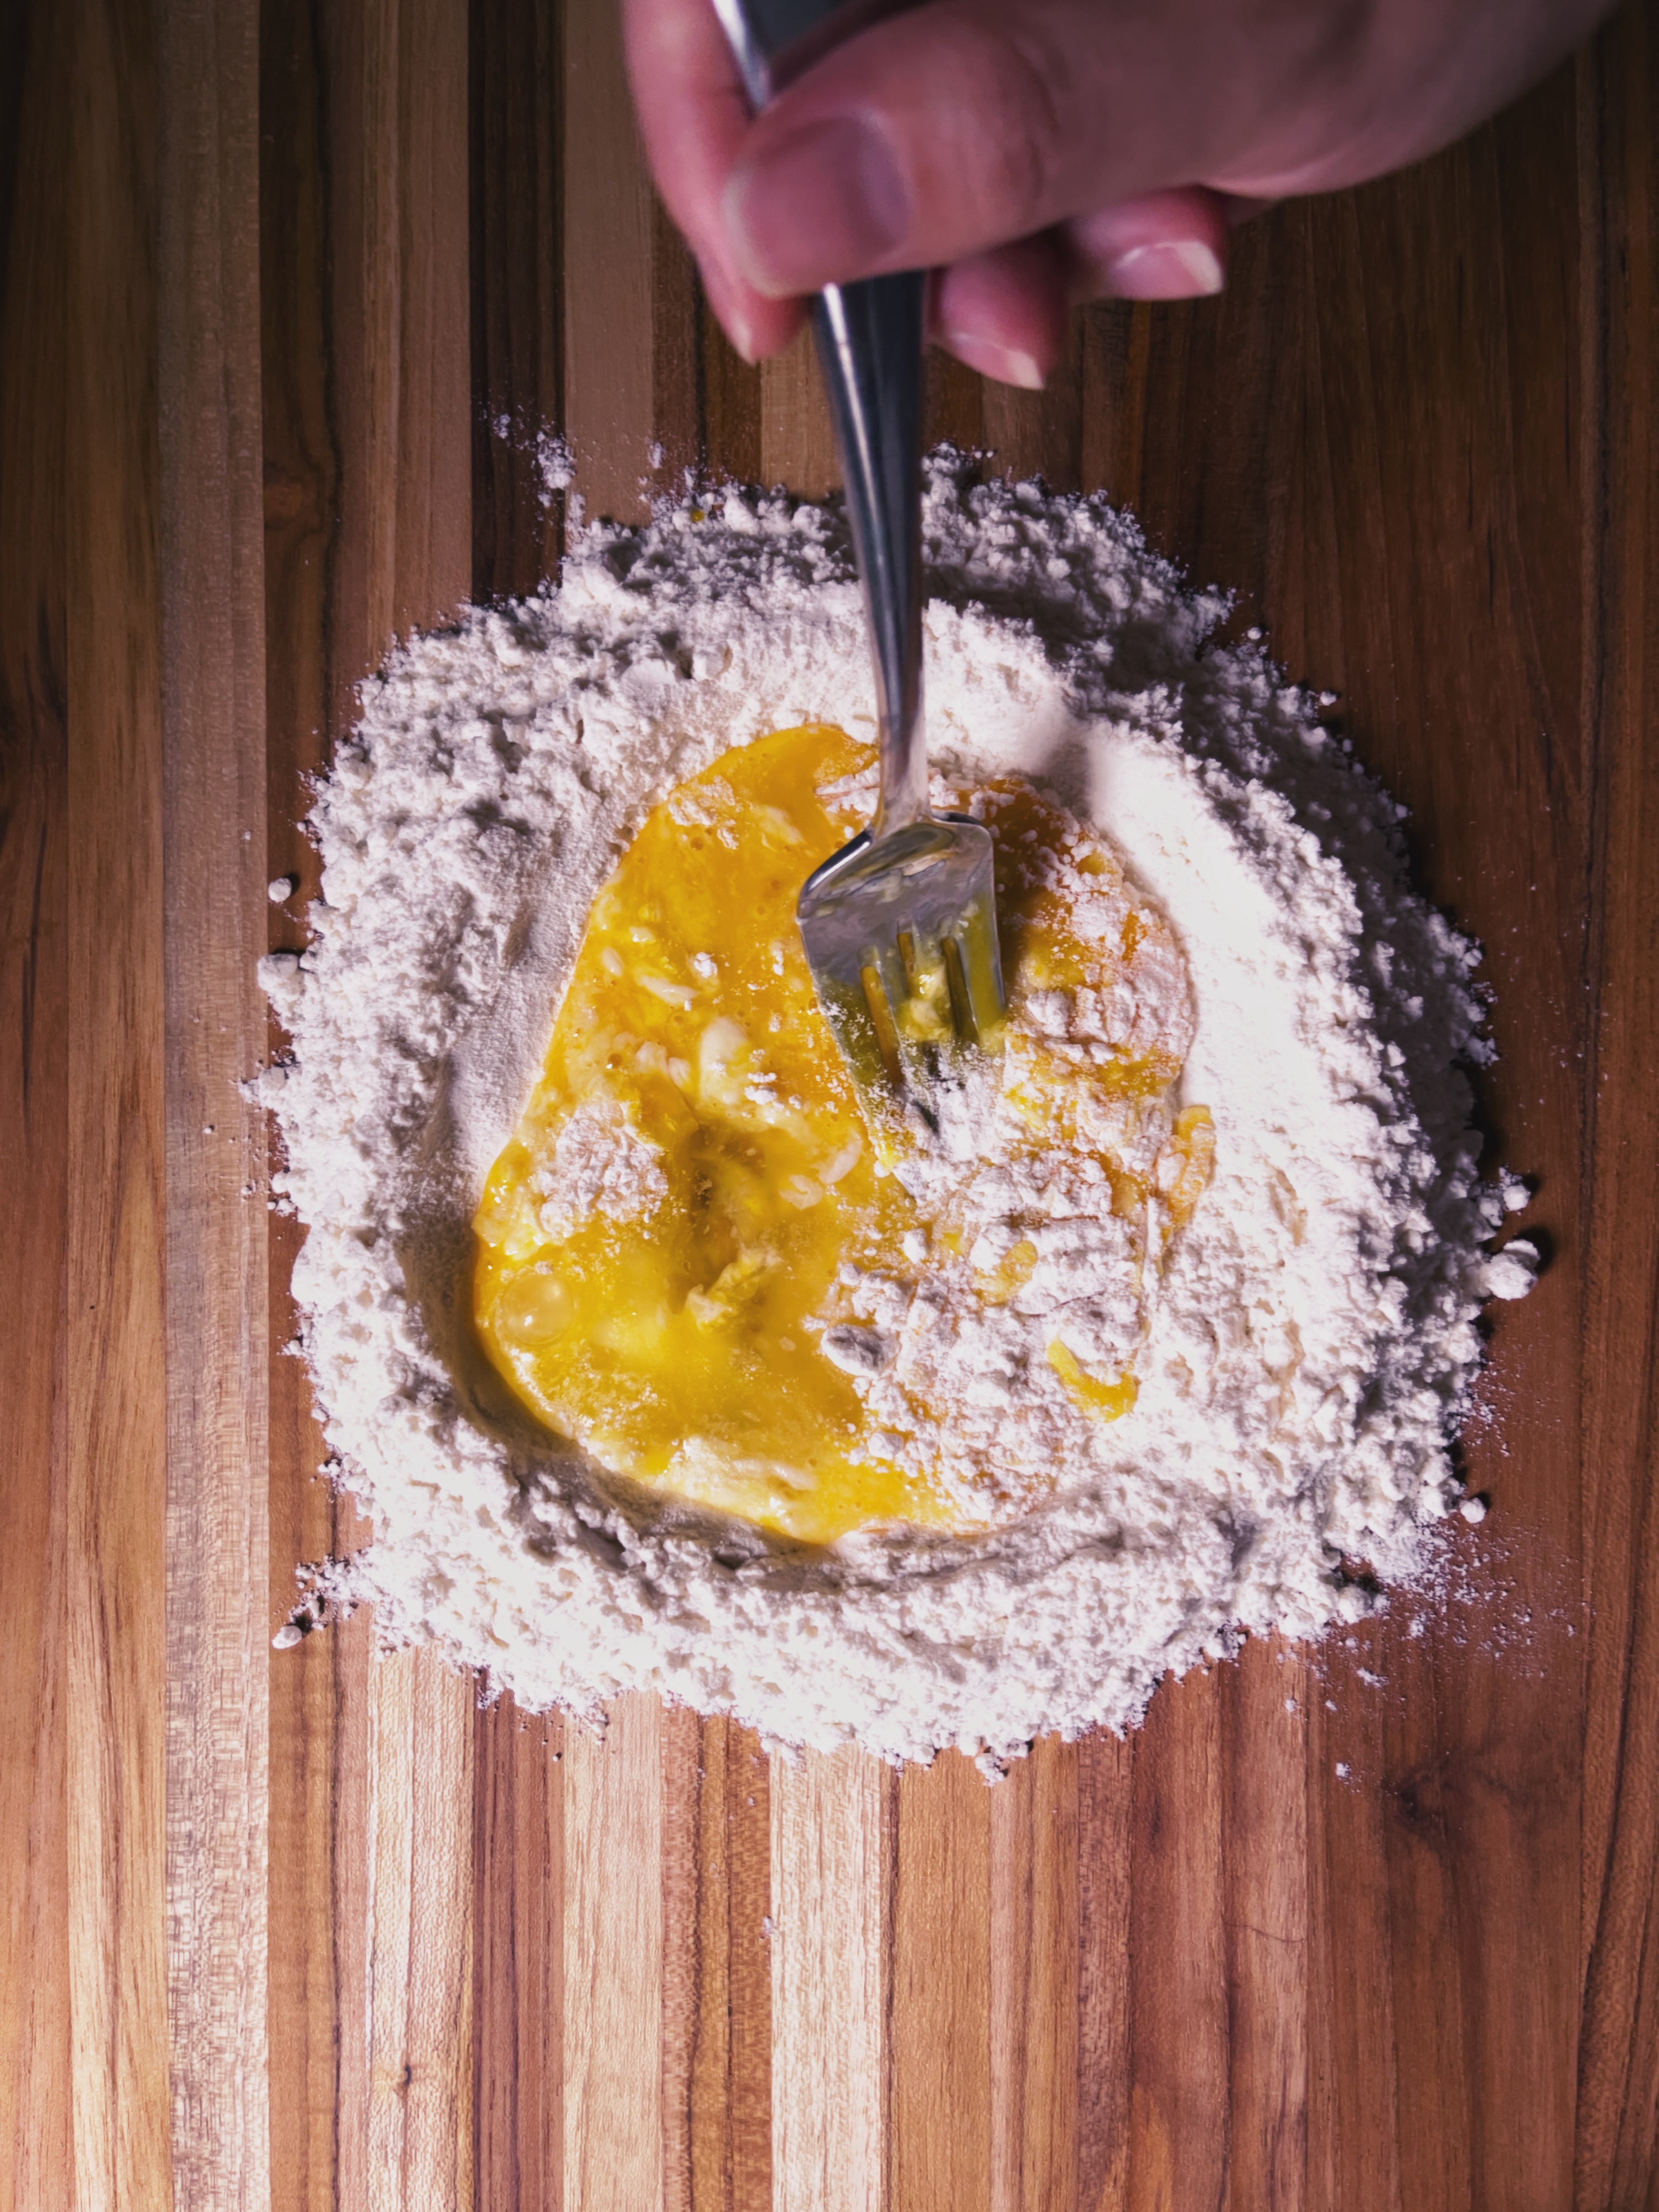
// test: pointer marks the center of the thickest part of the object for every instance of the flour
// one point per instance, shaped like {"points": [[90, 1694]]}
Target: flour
{"points": [[1309, 1341], [599, 1166]]}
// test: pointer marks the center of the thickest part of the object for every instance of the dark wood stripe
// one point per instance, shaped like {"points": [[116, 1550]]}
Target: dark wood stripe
{"points": [[1264, 1784], [1619, 202], [36, 1157], [1105, 2053], [111, 1457], [717, 1995], [516, 92], [518, 1961], [1179, 2121], [315, 1890], [1035, 1968]]}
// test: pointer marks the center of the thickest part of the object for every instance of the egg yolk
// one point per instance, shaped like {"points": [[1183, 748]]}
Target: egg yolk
{"points": [[659, 1241]]}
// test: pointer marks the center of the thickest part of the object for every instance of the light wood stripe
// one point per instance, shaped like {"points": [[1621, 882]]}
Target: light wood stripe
{"points": [[610, 412], [613, 1961], [420, 1993], [618, 2074], [395, 99], [213, 859], [831, 1878], [796, 440], [695, 2044]]}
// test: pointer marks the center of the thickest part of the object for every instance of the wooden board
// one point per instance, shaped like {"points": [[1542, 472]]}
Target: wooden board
{"points": [[299, 1930]]}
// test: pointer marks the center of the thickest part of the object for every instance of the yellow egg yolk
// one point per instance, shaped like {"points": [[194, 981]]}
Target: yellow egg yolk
{"points": [[657, 1243]]}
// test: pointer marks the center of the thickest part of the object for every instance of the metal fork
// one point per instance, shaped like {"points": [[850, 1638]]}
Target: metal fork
{"points": [[900, 924]]}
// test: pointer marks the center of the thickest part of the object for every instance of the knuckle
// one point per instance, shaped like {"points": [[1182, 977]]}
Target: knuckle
{"points": [[1011, 102]]}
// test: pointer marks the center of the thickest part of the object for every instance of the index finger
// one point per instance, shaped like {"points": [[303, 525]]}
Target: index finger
{"points": [[694, 114]]}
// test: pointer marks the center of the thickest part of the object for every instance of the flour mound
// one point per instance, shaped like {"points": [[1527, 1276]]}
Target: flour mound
{"points": [[1313, 1335]]}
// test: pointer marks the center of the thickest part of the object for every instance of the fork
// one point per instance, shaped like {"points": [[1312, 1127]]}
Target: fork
{"points": [[899, 925]]}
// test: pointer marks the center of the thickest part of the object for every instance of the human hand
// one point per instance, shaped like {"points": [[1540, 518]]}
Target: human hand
{"points": [[1038, 153]]}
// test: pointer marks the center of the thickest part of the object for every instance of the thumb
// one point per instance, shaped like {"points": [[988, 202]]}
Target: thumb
{"points": [[964, 123]]}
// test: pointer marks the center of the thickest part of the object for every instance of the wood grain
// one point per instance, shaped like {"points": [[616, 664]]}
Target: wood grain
{"points": [[609, 235], [516, 149], [366, 293], [832, 1841], [318, 1694], [112, 1441], [1105, 2052], [418, 2053], [1619, 2052], [1035, 2015], [942, 2060], [396, 88], [1265, 1907], [518, 1986], [614, 2122], [1364, 1928], [37, 2166], [717, 1893], [797, 440], [213, 675], [399, 170]]}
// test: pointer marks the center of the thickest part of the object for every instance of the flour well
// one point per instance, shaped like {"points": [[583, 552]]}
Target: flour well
{"points": [[1313, 1334]]}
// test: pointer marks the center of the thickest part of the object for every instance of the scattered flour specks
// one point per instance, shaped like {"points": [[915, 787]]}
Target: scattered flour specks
{"points": [[1314, 1339]]}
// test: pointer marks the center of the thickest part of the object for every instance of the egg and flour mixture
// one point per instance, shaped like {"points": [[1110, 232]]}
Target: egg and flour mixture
{"points": [[693, 1260], [651, 1371]]}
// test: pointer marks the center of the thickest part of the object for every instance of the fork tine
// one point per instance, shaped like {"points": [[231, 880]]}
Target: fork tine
{"points": [[962, 1008], [901, 938], [881, 1020]]}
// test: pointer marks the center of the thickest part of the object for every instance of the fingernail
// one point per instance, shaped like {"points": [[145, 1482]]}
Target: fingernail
{"points": [[1183, 268], [826, 204], [736, 327], [728, 309], [1003, 364]]}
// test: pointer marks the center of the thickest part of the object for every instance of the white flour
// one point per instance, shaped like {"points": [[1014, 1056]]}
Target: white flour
{"points": [[1313, 1338], [601, 1166]]}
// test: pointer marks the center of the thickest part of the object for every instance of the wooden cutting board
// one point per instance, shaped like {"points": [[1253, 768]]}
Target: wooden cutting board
{"points": [[289, 296]]}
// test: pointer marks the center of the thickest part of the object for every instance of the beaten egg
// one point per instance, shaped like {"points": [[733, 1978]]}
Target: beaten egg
{"points": [[662, 1244]]}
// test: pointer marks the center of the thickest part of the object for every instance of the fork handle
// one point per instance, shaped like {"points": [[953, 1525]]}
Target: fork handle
{"points": [[870, 348]]}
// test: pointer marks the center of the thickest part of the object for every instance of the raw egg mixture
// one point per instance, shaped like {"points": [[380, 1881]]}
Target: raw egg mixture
{"points": [[693, 1261]]}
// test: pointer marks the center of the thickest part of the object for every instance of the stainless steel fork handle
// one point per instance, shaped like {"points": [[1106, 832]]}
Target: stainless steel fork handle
{"points": [[869, 348], [774, 41]]}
